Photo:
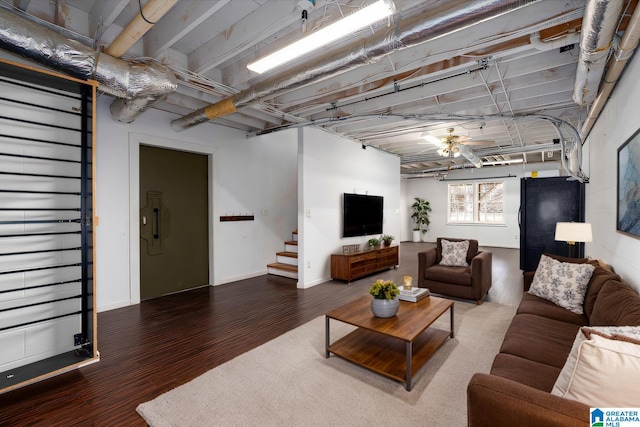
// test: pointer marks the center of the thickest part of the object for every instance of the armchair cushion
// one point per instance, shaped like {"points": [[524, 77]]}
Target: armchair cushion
{"points": [[446, 274], [471, 252], [454, 254]]}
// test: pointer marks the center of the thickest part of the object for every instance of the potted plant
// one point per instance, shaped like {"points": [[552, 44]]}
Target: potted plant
{"points": [[420, 215], [374, 242], [387, 239], [385, 301]]}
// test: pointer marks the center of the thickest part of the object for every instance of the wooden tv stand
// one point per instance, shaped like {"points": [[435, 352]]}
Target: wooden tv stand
{"points": [[360, 264]]}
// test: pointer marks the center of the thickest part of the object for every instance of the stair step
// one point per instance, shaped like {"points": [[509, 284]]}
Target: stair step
{"points": [[288, 253], [283, 266], [283, 270], [291, 248], [287, 258], [291, 242]]}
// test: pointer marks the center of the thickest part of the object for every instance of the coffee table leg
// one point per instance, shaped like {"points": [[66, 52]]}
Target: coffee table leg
{"points": [[451, 326], [326, 335], [409, 353]]}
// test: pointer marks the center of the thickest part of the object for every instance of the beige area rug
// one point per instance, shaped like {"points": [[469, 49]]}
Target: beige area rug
{"points": [[289, 382]]}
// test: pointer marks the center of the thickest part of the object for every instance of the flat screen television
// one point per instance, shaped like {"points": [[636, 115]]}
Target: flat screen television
{"points": [[361, 215]]}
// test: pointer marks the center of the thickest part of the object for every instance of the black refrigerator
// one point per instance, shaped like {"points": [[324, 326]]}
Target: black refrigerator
{"points": [[543, 202]]}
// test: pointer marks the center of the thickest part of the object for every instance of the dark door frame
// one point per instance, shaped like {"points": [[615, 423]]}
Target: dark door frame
{"points": [[135, 140]]}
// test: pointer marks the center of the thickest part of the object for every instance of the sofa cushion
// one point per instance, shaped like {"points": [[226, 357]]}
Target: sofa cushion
{"points": [[562, 283], [524, 371], [454, 254], [532, 304], [598, 279], [617, 304], [603, 368], [539, 339], [453, 275]]}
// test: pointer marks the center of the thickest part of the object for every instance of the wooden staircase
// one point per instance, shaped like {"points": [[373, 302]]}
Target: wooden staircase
{"points": [[286, 264]]}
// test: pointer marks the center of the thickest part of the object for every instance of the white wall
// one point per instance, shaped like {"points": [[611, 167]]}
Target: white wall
{"points": [[617, 122], [249, 176], [329, 167], [436, 192]]}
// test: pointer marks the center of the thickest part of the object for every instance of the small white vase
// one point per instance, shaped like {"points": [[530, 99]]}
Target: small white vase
{"points": [[385, 307], [416, 236]]}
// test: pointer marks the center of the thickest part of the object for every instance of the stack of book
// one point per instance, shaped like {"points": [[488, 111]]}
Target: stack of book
{"points": [[413, 294]]}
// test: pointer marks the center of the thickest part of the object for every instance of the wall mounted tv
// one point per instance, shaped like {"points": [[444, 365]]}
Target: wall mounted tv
{"points": [[361, 215]]}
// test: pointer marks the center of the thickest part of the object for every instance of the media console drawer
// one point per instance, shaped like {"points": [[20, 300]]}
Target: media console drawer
{"points": [[353, 266]]}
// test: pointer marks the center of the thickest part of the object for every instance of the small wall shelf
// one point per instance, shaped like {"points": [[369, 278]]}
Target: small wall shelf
{"points": [[225, 218]]}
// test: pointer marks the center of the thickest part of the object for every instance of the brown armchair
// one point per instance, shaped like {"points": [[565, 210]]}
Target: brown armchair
{"points": [[470, 282]]}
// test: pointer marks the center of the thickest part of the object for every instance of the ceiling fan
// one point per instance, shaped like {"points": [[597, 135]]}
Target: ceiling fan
{"points": [[450, 144]]}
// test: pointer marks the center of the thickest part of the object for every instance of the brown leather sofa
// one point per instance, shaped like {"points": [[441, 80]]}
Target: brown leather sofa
{"points": [[472, 282], [536, 347]]}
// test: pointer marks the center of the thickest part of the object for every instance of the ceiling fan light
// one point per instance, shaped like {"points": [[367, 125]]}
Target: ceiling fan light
{"points": [[349, 24]]}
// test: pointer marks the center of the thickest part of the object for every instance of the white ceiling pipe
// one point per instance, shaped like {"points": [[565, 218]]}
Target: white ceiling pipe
{"points": [[571, 38], [598, 27], [470, 155], [618, 61]]}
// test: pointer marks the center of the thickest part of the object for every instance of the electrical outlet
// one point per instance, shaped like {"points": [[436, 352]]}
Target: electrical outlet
{"points": [[517, 237], [308, 264]]}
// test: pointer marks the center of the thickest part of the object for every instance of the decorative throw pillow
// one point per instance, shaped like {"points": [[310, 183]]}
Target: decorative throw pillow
{"points": [[603, 368], [562, 283], [454, 254]]}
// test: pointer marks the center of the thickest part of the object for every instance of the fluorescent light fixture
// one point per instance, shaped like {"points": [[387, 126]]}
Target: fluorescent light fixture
{"points": [[350, 24], [430, 138], [503, 162]]}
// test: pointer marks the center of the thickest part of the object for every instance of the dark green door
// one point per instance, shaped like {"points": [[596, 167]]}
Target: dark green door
{"points": [[174, 244]]}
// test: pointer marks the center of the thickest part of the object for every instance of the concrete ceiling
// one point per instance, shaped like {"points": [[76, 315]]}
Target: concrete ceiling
{"points": [[476, 80]]}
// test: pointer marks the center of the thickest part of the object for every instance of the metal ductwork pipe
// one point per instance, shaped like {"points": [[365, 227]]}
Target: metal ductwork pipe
{"points": [[618, 61], [138, 86], [470, 155], [417, 30], [598, 27]]}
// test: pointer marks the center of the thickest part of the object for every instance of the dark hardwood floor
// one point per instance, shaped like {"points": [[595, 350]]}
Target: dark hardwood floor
{"points": [[150, 348]]}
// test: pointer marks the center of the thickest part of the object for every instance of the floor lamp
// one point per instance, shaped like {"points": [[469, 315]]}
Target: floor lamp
{"points": [[572, 232]]}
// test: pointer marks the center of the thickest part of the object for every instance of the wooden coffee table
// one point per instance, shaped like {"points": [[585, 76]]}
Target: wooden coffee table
{"points": [[396, 347]]}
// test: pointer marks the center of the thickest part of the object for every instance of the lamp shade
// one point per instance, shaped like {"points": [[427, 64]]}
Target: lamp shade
{"points": [[573, 231]]}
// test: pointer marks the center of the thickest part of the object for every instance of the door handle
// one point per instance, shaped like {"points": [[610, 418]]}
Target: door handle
{"points": [[156, 213]]}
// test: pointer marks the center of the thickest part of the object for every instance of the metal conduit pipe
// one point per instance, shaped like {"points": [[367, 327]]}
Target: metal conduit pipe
{"points": [[618, 61], [416, 30], [598, 27], [137, 86]]}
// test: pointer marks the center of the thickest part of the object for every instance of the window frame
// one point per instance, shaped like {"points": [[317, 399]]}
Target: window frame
{"points": [[476, 211]]}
